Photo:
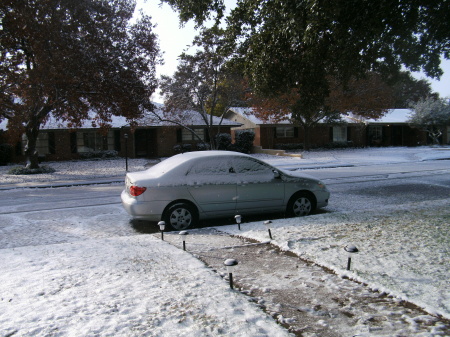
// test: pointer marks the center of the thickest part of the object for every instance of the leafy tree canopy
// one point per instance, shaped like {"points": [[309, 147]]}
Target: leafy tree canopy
{"points": [[69, 58], [408, 90], [302, 44]]}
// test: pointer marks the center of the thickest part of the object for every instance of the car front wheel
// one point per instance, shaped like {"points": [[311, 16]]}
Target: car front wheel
{"points": [[180, 216], [301, 204]]}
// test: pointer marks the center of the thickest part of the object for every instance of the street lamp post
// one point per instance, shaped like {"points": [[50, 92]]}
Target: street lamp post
{"points": [[126, 151]]}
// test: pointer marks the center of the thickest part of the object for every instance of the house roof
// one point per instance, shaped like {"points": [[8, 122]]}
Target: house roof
{"points": [[248, 114], [392, 116], [190, 118]]}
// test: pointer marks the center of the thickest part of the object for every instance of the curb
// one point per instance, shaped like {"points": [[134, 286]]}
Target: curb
{"points": [[57, 184]]}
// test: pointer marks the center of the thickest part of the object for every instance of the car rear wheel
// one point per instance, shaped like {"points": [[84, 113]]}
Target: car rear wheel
{"points": [[181, 216], [301, 204]]}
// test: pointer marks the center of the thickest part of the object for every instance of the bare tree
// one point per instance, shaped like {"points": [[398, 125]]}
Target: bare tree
{"points": [[202, 84], [431, 115]]}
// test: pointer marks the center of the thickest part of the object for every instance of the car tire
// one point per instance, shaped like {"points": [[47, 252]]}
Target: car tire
{"points": [[301, 204], [181, 216]]}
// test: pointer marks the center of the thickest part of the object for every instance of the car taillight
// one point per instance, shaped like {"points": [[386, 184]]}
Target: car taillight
{"points": [[136, 190]]}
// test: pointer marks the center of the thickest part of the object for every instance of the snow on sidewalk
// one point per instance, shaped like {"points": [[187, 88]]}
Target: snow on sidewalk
{"points": [[130, 286], [403, 252], [309, 299]]}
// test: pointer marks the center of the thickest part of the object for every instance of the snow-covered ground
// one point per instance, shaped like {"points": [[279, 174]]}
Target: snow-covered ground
{"points": [[138, 285], [403, 252], [128, 286]]}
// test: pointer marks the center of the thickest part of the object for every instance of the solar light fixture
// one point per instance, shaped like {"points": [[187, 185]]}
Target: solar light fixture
{"points": [[238, 221], [162, 227], [230, 264], [183, 235], [350, 249], [268, 224]]}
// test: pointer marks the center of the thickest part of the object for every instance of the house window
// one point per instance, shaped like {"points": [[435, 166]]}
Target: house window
{"points": [[45, 143], [187, 135], [339, 133], [42, 143], [376, 133], [285, 131], [92, 141]]}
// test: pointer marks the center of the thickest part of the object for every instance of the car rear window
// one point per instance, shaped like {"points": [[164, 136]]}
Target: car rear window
{"points": [[165, 166]]}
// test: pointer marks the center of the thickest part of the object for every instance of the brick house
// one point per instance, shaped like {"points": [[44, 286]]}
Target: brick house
{"points": [[390, 130], [150, 138]]}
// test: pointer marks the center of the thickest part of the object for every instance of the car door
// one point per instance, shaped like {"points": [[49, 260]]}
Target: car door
{"points": [[257, 187], [212, 184]]}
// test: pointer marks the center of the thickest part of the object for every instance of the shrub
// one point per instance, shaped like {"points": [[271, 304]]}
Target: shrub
{"points": [[223, 141], [201, 146], [289, 146], [182, 148], [244, 140], [177, 148], [187, 147], [99, 154], [338, 145], [22, 170]]}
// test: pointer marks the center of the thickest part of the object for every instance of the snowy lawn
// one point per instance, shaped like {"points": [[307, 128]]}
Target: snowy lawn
{"points": [[75, 170], [129, 286], [403, 252]]}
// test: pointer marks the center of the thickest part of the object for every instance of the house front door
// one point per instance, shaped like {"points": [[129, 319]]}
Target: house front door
{"points": [[145, 143]]}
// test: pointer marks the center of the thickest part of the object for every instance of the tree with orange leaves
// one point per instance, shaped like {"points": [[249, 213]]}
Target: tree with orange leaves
{"points": [[364, 98], [72, 58]]}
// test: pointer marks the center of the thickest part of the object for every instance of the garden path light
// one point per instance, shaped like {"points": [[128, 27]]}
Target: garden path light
{"points": [[230, 264], [162, 227], [350, 249], [183, 235]]}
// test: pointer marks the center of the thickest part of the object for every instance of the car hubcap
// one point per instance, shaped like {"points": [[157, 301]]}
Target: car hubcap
{"points": [[180, 218], [302, 206]]}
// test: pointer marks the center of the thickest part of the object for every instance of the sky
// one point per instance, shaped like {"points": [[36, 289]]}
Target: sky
{"points": [[174, 39]]}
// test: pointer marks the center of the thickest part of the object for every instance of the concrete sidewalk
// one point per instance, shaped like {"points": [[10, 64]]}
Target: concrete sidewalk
{"points": [[304, 297]]}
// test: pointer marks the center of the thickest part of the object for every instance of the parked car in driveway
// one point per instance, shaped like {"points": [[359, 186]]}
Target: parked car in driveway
{"points": [[188, 187]]}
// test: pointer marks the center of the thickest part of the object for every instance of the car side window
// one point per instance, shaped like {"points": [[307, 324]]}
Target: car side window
{"points": [[210, 171], [253, 170]]}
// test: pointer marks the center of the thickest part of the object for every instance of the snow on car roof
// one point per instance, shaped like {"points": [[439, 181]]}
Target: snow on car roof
{"points": [[183, 158], [213, 153]]}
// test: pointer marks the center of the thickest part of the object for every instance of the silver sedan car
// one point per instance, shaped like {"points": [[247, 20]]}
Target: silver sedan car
{"points": [[188, 187]]}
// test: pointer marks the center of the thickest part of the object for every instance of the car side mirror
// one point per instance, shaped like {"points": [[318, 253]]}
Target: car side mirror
{"points": [[276, 174]]}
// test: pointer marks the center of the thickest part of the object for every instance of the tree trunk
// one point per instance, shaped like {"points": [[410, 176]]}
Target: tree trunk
{"points": [[32, 132], [31, 151]]}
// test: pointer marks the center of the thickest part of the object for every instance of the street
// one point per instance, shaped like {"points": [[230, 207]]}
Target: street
{"points": [[94, 211]]}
